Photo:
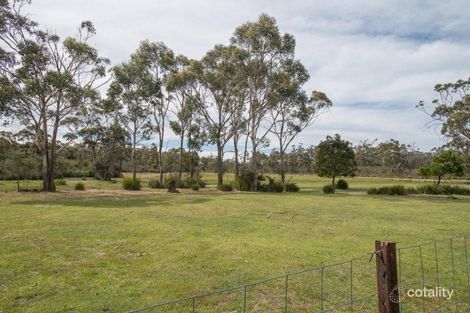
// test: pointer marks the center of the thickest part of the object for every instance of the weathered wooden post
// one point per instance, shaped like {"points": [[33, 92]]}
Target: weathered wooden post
{"points": [[387, 277]]}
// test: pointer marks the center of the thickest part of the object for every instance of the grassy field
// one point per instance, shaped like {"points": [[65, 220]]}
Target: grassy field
{"points": [[109, 250]]}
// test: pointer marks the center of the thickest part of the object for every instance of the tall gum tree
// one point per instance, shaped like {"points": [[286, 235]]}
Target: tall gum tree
{"points": [[125, 94], [218, 83], [46, 82], [266, 50], [180, 84], [158, 62], [294, 110]]}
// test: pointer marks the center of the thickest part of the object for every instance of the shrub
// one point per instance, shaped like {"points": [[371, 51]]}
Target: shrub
{"points": [[411, 190], [131, 184], [328, 189], [457, 190], [195, 187], [270, 186], [225, 187], [276, 186], [342, 184], [171, 183], [243, 182], [60, 182], [196, 180], [79, 186], [399, 190], [155, 183], [292, 187], [442, 190]]}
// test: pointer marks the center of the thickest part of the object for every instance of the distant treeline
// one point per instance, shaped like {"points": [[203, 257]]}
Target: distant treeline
{"points": [[23, 161]]}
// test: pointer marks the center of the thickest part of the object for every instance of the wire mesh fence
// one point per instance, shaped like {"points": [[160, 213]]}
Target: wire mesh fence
{"points": [[437, 268], [348, 286]]}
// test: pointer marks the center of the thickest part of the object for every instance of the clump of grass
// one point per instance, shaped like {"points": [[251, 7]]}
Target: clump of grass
{"points": [[292, 187], [79, 186], [155, 183], [60, 182], [396, 190], [131, 184], [328, 189], [225, 187], [442, 190]]}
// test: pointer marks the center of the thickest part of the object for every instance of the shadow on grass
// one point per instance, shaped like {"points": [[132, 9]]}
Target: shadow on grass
{"points": [[141, 201]]}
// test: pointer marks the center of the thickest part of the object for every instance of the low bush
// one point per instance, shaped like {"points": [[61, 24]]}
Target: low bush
{"points": [[328, 189], [195, 187], [171, 184], [60, 182], [131, 184], [243, 182], [270, 186], [155, 183], [292, 187], [442, 190], [342, 184], [225, 187], [398, 190], [79, 186], [195, 180]]}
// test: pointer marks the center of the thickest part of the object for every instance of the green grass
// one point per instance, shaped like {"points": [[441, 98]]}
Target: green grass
{"points": [[110, 250]]}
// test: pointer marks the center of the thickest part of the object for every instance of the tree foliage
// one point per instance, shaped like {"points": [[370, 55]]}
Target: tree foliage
{"points": [[335, 157], [445, 163], [46, 83]]}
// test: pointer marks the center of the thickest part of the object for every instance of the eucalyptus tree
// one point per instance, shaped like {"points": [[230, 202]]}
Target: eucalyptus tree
{"points": [[45, 82], [181, 85], [125, 93], [196, 138], [452, 112], [218, 82], [294, 110], [266, 50], [239, 125], [158, 62]]}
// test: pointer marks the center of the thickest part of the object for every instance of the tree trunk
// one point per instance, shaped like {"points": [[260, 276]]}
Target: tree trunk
{"points": [[160, 160], [333, 182], [439, 180], [134, 168], [220, 165], [254, 165], [180, 159], [237, 165], [191, 171], [282, 165], [47, 173], [47, 162], [245, 152]]}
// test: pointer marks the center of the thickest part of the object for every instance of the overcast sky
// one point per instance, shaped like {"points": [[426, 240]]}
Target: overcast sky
{"points": [[374, 59]]}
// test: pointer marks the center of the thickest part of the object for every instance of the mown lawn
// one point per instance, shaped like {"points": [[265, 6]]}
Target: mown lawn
{"points": [[106, 250]]}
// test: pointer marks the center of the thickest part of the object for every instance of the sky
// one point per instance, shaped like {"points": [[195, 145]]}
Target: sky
{"points": [[374, 59]]}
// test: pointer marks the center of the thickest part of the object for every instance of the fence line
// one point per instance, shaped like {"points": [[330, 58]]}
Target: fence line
{"points": [[351, 280]]}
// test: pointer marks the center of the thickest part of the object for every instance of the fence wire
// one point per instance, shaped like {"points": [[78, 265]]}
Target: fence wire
{"points": [[434, 266], [348, 286]]}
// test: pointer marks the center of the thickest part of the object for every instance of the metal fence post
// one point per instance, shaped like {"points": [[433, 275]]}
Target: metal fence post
{"points": [[387, 277]]}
